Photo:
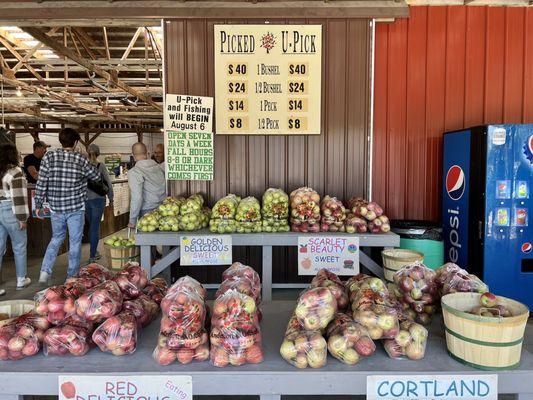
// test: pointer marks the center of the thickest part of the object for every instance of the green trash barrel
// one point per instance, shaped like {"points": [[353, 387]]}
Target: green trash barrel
{"points": [[422, 236]]}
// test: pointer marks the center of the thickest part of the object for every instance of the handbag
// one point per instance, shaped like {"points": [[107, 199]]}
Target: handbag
{"points": [[100, 187]]}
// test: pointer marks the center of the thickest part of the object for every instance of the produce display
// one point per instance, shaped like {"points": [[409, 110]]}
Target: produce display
{"points": [[156, 289], [170, 207], [182, 334], [235, 332], [419, 290], [99, 303], [22, 337], [148, 222], [226, 207], [275, 211], [248, 216], [303, 348], [327, 279], [489, 307], [410, 342], [56, 303], [238, 271], [169, 223], [333, 215], [450, 278], [95, 271], [316, 308], [117, 334], [305, 210], [193, 204], [131, 280], [370, 213], [348, 341]]}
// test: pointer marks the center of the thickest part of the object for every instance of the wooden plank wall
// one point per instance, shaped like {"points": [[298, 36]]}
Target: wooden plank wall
{"points": [[334, 162], [444, 68]]}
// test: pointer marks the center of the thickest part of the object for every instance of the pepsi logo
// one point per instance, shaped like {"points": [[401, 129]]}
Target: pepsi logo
{"points": [[528, 149], [527, 247], [455, 182]]}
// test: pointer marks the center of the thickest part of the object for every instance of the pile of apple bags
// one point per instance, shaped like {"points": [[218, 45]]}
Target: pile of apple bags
{"points": [[223, 214], [193, 214], [275, 211], [305, 210], [248, 216], [182, 335], [235, 331], [365, 216]]}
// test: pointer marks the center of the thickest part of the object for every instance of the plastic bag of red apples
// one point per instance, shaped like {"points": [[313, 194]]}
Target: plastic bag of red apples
{"points": [[22, 337], [131, 280], [182, 335], [56, 303], [71, 337]]}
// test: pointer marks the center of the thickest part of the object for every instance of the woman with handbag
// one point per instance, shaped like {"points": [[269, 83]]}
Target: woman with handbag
{"points": [[14, 212], [95, 205]]}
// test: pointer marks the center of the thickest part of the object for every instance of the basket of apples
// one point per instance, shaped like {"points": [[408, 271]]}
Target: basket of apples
{"points": [[348, 341], [235, 332], [121, 250]]}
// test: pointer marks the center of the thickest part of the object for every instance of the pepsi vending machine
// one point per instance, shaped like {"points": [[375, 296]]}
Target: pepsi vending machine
{"points": [[488, 176]]}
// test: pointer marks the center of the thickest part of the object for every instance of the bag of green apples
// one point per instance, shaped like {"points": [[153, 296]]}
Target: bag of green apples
{"points": [[303, 348], [169, 223], [169, 208], [149, 222], [305, 210], [193, 204], [235, 331], [333, 215], [410, 342], [275, 211], [191, 221], [248, 215], [226, 207], [316, 308], [348, 341], [330, 280], [206, 216], [374, 308], [419, 289], [217, 225]]}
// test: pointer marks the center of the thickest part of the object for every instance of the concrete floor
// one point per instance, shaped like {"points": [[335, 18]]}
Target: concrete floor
{"points": [[8, 282]]}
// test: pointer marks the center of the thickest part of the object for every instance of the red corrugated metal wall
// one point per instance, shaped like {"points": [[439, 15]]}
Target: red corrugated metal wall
{"points": [[444, 68]]}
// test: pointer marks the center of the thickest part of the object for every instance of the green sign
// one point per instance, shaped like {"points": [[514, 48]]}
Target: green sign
{"points": [[190, 156]]}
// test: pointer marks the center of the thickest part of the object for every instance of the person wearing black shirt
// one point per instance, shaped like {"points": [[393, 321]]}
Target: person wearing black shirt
{"points": [[32, 162]]}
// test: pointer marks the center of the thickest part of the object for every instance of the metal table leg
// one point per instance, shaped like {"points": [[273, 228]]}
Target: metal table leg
{"points": [[267, 275], [146, 259], [167, 273]]}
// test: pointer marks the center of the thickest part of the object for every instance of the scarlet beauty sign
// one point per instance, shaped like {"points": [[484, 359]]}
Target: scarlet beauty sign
{"points": [[338, 254], [94, 387]]}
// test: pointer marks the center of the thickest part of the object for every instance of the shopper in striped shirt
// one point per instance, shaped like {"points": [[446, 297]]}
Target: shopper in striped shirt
{"points": [[13, 212], [63, 183]]}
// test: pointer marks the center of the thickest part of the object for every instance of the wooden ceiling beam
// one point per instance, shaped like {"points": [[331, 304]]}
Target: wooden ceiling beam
{"points": [[106, 43], [31, 52], [35, 112], [86, 38], [132, 43], [64, 51], [12, 50]]}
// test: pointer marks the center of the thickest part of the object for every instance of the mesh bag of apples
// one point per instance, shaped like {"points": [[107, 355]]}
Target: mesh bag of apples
{"points": [[235, 331], [71, 337], [275, 211], [248, 215], [22, 337], [328, 279], [348, 341], [56, 303], [305, 210], [193, 215], [410, 342], [223, 215], [182, 335], [361, 213], [451, 278], [333, 215]]}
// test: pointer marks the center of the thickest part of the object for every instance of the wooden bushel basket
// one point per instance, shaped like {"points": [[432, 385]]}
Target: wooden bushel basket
{"points": [[483, 342], [119, 256], [395, 259]]}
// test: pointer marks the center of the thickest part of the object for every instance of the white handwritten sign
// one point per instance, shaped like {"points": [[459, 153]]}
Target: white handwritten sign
{"points": [[432, 387], [338, 254], [88, 387], [185, 113], [206, 250]]}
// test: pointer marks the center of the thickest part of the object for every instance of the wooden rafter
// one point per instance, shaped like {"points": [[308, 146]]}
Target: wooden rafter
{"points": [[34, 111], [132, 43], [90, 53], [88, 40], [31, 52], [13, 51], [64, 51], [106, 43]]}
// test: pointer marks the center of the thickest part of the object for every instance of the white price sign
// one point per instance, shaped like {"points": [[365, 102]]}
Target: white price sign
{"points": [[90, 387], [338, 254], [432, 387], [206, 250]]}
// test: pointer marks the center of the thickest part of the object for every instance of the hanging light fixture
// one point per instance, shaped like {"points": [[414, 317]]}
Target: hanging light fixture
{"points": [[18, 92]]}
